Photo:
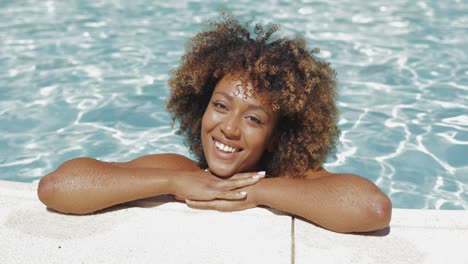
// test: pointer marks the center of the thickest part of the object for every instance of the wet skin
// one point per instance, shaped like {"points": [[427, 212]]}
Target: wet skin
{"points": [[236, 129]]}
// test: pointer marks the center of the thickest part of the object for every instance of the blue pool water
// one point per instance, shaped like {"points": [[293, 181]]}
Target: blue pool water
{"points": [[88, 78]]}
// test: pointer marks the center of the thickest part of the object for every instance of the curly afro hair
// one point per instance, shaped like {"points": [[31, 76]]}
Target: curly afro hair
{"points": [[299, 86]]}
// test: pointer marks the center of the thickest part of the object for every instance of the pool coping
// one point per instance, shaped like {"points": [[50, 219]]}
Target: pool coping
{"points": [[162, 230]]}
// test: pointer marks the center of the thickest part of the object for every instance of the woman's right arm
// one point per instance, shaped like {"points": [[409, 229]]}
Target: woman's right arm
{"points": [[85, 185]]}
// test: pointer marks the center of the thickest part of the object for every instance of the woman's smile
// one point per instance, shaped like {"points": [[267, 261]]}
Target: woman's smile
{"points": [[236, 129], [225, 148], [225, 152]]}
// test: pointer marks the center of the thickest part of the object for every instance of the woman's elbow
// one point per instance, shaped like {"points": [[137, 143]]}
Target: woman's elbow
{"points": [[46, 190], [374, 214], [57, 190], [51, 193], [379, 212]]}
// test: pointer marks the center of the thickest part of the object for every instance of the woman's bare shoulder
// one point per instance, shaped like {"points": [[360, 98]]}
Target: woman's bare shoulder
{"points": [[322, 173], [162, 161], [318, 173]]}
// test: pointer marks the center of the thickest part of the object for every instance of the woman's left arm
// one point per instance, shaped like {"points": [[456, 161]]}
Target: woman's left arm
{"points": [[339, 202]]}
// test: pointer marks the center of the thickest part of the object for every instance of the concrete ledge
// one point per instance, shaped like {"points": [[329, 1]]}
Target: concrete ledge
{"points": [[415, 236], [147, 231], [160, 230]]}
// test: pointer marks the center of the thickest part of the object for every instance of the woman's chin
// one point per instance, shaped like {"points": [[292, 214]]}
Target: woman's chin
{"points": [[222, 172]]}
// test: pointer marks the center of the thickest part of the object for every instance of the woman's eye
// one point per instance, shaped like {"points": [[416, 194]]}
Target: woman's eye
{"points": [[219, 105], [255, 120]]}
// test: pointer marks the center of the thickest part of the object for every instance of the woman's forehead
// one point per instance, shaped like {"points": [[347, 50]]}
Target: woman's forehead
{"points": [[244, 89]]}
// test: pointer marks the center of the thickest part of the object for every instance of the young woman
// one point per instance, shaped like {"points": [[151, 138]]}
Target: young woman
{"points": [[259, 115]]}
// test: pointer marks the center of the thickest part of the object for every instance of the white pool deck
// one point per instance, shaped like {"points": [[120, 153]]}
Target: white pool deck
{"points": [[161, 230]]}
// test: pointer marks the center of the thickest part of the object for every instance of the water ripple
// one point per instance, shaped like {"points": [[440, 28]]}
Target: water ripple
{"points": [[88, 78]]}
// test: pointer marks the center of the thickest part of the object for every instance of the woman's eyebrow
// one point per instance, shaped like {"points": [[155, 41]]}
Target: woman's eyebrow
{"points": [[249, 106], [258, 107], [229, 97]]}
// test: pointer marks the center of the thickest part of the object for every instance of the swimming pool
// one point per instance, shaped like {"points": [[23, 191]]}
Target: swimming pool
{"points": [[88, 78]]}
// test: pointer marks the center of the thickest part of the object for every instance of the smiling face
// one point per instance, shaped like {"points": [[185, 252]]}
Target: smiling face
{"points": [[236, 129]]}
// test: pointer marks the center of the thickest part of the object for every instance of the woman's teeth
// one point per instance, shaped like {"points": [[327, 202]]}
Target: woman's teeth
{"points": [[224, 148]]}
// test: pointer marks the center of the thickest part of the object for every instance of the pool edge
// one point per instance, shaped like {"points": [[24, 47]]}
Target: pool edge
{"points": [[414, 236]]}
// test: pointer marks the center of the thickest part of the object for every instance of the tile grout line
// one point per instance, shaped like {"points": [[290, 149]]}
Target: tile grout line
{"points": [[293, 240]]}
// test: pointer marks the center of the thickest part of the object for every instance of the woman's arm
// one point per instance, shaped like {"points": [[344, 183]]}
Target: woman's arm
{"points": [[339, 202], [85, 185]]}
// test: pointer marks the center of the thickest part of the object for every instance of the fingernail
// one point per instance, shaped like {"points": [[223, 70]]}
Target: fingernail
{"points": [[261, 173], [244, 193]]}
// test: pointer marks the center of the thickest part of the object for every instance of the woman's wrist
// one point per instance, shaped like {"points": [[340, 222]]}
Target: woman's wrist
{"points": [[178, 182], [255, 192], [172, 182]]}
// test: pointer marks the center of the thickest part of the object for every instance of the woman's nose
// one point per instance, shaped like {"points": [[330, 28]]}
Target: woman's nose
{"points": [[230, 127]]}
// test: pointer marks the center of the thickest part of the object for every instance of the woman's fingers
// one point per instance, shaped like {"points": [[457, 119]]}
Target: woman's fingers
{"points": [[235, 184], [204, 205], [206, 187], [231, 184], [231, 195], [220, 205], [261, 174], [178, 198]]}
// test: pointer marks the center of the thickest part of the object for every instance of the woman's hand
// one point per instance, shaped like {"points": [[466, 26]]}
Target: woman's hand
{"points": [[204, 186], [225, 205]]}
